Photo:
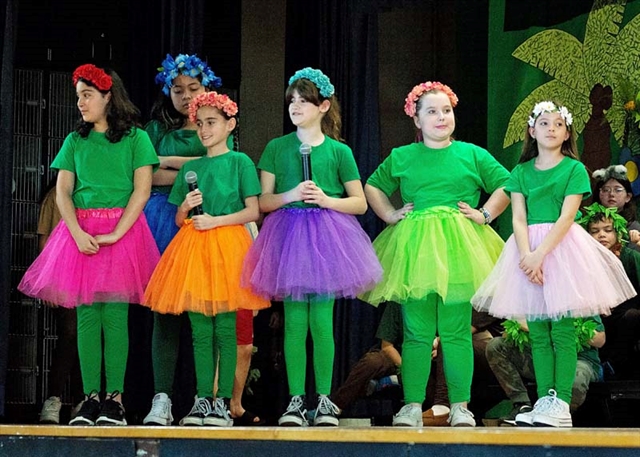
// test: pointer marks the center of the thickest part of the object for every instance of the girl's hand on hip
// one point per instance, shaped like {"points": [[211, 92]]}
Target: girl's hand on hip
{"points": [[471, 213], [397, 215]]}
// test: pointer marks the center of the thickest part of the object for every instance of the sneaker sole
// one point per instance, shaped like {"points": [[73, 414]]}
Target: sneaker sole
{"points": [[217, 422], [159, 421], [106, 422], [82, 422], [555, 424], [191, 422], [292, 423], [49, 422], [326, 422]]}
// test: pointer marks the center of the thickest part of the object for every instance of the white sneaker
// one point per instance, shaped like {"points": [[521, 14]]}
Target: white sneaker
{"points": [[556, 414], [459, 416], [296, 413], [50, 413], [160, 413], [525, 419], [219, 416], [409, 416], [326, 413]]}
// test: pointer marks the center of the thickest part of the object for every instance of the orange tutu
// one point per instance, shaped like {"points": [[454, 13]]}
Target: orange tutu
{"points": [[200, 272]]}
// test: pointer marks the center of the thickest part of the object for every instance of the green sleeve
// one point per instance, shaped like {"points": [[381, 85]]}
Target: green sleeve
{"points": [[267, 161], [156, 132], [347, 169], [492, 173], [249, 182], [144, 152], [64, 159], [179, 189], [382, 178], [578, 181]]}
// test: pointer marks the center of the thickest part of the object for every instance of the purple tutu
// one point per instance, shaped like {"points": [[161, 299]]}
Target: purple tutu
{"points": [[310, 251], [118, 273], [581, 278]]}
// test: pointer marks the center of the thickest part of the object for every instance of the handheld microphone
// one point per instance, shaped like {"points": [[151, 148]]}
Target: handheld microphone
{"points": [[192, 181], [305, 155]]}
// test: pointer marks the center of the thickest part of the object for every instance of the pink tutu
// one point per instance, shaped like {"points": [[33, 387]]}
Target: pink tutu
{"points": [[310, 251], [581, 278], [118, 273]]}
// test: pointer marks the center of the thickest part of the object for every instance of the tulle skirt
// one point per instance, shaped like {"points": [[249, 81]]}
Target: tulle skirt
{"points": [[436, 250], [118, 273], [581, 278], [161, 217], [301, 252], [200, 272]]}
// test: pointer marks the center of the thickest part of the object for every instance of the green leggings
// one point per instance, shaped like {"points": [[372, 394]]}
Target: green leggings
{"points": [[213, 336], [553, 348], [422, 318], [164, 350], [94, 320], [298, 318]]}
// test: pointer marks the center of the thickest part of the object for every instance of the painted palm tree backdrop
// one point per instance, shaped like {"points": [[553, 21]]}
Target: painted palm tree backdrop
{"points": [[590, 63], [587, 58]]}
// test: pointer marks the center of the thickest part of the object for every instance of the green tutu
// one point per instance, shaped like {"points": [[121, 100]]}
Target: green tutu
{"points": [[436, 250]]}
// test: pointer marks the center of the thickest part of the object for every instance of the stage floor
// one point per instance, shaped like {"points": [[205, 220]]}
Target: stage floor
{"points": [[33, 440]]}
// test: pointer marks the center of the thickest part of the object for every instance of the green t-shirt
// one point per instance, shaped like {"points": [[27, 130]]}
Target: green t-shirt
{"points": [[225, 182], [390, 326], [181, 142], [332, 165], [590, 354], [544, 190], [439, 177], [104, 170]]}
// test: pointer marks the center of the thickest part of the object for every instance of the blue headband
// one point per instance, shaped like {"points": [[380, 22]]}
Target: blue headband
{"points": [[318, 78], [188, 65]]}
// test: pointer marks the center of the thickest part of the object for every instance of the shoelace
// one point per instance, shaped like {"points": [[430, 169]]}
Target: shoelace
{"points": [[50, 406], [555, 405], [202, 405], [541, 405], [220, 409], [326, 407], [296, 406]]}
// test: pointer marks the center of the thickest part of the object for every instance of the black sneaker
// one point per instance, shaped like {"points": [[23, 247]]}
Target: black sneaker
{"points": [[220, 416], [112, 412], [296, 413], [326, 413], [518, 408], [88, 411], [201, 408]]}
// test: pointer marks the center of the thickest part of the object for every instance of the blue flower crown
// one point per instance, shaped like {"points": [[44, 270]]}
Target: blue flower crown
{"points": [[188, 65], [318, 78]]}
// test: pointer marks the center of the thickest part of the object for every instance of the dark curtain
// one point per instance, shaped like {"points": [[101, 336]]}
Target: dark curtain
{"points": [[8, 17]]}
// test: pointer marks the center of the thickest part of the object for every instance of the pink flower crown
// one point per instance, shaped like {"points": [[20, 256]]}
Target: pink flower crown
{"points": [[94, 75], [214, 99], [420, 89]]}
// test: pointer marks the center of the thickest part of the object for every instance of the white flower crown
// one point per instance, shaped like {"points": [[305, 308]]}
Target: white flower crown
{"points": [[550, 107]]}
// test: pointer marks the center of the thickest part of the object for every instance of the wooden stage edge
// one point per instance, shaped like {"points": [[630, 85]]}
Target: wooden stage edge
{"points": [[494, 436]]}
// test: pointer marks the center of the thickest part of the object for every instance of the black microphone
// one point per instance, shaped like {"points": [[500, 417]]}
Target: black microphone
{"points": [[192, 181], [305, 155]]}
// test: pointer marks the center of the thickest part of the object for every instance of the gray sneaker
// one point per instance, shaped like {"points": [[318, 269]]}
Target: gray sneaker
{"points": [[459, 416], [409, 416], [50, 413]]}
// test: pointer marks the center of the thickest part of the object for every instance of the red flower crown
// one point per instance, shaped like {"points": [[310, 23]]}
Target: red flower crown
{"points": [[215, 100], [420, 89], [94, 75]]}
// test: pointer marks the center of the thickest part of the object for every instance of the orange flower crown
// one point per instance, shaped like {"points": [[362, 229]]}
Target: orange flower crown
{"points": [[214, 99], [94, 75], [420, 89]]}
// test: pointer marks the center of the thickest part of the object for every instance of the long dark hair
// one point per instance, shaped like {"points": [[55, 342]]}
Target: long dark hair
{"points": [[164, 112], [122, 115], [332, 121]]}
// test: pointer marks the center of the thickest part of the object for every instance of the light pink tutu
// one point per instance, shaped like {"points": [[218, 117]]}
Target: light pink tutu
{"points": [[118, 273], [581, 278]]}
